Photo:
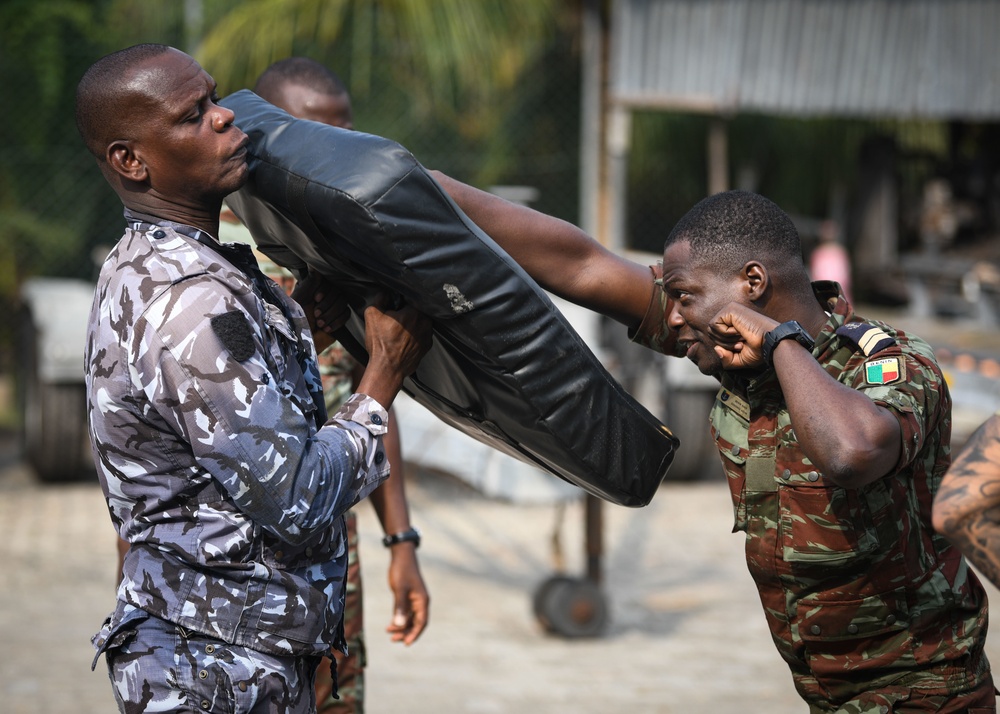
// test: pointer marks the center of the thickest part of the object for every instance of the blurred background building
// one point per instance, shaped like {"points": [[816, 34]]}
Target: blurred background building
{"points": [[872, 122]]}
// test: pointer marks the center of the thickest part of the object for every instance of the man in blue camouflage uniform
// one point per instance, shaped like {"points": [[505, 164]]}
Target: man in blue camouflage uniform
{"points": [[834, 434], [213, 447]]}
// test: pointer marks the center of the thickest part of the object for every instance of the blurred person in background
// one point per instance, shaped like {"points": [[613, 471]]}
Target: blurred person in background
{"points": [[307, 89]]}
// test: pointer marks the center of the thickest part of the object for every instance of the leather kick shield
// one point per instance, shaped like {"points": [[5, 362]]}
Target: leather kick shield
{"points": [[505, 367]]}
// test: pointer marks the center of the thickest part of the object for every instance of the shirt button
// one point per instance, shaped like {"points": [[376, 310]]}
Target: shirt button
{"points": [[735, 451], [379, 458], [815, 629], [852, 629], [205, 704], [203, 674], [159, 234], [279, 554], [891, 620], [210, 649], [813, 476], [786, 473], [376, 419], [242, 686]]}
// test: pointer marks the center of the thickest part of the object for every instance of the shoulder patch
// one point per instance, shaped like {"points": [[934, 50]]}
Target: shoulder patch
{"points": [[233, 329], [869, 338], [888, 370]]}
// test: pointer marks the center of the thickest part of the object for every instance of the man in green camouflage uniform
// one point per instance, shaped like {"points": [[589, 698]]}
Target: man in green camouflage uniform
{"points": [[834, 434]]}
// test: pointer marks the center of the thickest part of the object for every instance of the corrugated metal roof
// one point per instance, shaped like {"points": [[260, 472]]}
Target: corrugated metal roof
{"points": [[862, 58]]}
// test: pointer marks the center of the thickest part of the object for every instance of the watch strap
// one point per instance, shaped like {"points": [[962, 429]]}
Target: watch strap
{"points": [[786, 330], [410, 535]]}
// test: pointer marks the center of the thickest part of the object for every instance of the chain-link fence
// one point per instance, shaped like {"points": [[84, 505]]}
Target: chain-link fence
{"points": [[58, 216]]}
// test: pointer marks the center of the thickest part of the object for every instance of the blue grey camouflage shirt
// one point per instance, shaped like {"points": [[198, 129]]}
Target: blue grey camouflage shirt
{"points": [[213, 447]]}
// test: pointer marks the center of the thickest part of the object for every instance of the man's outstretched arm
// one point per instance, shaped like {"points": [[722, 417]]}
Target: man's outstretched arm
{"points": [[967, 506], [559, 256]]}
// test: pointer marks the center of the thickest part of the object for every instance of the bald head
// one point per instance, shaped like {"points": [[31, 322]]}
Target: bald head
{"points": [[306, 89], [107, 97]]}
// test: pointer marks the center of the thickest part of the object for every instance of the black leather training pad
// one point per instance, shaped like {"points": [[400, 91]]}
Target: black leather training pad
{"points": [[506, 367]]}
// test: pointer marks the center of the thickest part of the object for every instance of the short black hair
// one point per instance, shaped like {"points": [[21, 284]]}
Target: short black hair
{"points": [[298, 70], [731, 228], [102, 99]]}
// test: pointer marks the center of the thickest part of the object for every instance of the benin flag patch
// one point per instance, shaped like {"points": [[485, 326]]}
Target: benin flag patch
{"points": [[884, 371]]}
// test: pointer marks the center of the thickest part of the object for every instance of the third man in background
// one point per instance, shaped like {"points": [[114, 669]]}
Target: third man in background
{"points": [[307, 90]]}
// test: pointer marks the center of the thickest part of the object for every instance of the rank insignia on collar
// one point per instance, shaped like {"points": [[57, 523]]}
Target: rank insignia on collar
{"points": [[884, 371]]}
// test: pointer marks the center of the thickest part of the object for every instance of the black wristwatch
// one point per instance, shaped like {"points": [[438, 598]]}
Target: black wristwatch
{"points": [[784, 331], [411, 535]]}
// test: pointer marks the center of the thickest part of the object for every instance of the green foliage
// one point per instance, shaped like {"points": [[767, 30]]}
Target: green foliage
{"points": [[446, 78]]}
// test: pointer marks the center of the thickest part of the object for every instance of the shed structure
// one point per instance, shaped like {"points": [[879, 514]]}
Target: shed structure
{"points": [[930, 59]]}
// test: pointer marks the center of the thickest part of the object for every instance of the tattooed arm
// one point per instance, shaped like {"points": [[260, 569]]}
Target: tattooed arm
{"points": [[967, 506]]}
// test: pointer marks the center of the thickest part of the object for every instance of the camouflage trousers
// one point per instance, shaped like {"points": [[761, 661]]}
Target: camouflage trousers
{"points": [[156, 666], [350, 668], [904, 700]]}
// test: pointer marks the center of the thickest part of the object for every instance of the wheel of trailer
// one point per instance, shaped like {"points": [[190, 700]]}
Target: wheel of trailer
{"points": [[687, 417], [53, 416], [571, 607]]}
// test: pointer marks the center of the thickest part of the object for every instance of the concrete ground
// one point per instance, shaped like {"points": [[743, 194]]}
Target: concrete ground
{"points": [[686, 632]]}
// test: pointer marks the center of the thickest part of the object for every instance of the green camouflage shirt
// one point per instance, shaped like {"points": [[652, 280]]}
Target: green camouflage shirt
{"points": [[858, 590]]}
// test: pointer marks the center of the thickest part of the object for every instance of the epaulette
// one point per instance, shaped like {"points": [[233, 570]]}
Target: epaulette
{"points": [[868, 338]]}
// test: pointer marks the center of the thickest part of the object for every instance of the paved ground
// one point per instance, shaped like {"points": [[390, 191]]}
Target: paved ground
{"points": [[686, 633]]}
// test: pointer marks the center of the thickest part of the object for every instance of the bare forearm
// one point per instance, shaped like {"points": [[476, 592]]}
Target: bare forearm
{"points": [[967, 505], [558, 255]]}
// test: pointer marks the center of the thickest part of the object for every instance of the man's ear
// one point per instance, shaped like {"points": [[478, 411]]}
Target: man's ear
{"points": [[123, 161], [756, 280]]}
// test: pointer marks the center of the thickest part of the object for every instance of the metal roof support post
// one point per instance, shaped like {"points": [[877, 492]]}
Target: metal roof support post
{"points": [[591, 108], [619, 140], [718, 156]]}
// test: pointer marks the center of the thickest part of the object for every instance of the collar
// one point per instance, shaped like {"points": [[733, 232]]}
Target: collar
{"points": [[238, 253], [831, 296]]}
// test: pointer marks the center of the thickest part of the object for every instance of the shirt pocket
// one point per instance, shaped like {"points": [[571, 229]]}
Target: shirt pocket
{"points": [[734, 460], [825, 529], [844, 637]]}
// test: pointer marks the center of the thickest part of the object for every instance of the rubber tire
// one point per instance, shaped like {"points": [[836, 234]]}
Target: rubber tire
{"points": [[687, 413], [571, 607], [53, 418]]}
